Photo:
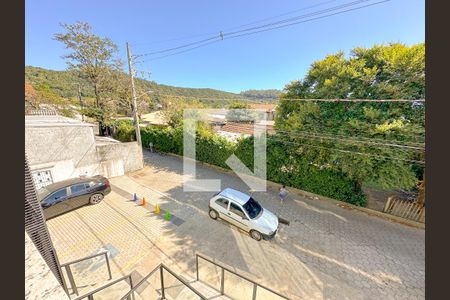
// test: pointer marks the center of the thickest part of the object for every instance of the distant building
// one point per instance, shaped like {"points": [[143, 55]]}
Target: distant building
{"points": [[270, 109], [59, 148]]}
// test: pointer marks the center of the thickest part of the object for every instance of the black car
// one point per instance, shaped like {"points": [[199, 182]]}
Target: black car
{"points": [[64, 196]]}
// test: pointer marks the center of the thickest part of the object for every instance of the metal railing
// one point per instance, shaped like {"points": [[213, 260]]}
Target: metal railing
{"points": [[69, 270], [40, 112], [222, 278], [90, 295], [161, 267]]}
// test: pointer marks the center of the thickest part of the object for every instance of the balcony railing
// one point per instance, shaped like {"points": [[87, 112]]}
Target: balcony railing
{"points": [[256, 289]]}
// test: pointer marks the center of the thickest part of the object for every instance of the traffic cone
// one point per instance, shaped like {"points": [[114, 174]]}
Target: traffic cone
{"points": [[143, 201], [156, 209], [134, 197], [167, 215]]}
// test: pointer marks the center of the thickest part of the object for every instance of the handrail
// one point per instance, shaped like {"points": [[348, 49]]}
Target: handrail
{"points": [[255, 284], [141, 282], [84, 258], [162, 267], [90, 293], [69, 270]]}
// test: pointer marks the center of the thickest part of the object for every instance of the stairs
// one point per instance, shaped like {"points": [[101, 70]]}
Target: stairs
{"points": [[175, 287]]}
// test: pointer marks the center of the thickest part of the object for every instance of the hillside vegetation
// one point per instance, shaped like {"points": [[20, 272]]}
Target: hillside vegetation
{"points": [[65, 84]]}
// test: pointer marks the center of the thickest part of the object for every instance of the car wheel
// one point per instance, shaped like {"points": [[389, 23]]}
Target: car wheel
{"points": [[96, 198], [255, 235], [213, 214]]}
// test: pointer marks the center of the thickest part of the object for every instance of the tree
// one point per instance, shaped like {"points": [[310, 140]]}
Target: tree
{"points": [[92, 57], [239, 112], [323, 131]]}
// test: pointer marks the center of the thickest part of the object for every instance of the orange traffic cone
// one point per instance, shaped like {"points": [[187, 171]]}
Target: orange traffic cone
{"points": [[156, 209], [143, 201]]}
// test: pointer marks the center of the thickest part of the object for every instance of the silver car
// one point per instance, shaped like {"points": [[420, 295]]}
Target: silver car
{"points": [[245, 212]]}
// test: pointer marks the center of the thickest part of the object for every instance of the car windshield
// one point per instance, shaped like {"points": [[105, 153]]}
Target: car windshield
{"points": [[42, 193], [253, 208]]}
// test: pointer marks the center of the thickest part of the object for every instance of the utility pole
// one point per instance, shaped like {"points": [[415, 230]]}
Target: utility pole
{"points": [[135, 113], [81, 101]]}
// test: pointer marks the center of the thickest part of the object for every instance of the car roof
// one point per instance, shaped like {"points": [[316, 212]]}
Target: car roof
{"points": [[60, 184], [235, 195]]}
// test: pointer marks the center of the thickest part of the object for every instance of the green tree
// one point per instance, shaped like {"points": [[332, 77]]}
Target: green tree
{"points": [[92, 58], [325, 132]]}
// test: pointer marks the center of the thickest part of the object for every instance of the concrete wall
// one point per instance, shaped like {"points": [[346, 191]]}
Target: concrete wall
{"points": [[71, 151], [120, 158]]}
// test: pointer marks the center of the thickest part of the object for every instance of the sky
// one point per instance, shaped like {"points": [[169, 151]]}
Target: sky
{"points": [[266, 60]]}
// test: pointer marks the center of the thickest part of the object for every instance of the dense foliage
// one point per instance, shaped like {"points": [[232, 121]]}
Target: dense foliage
{"points": [[267, 95], [326, 131], [285, 164]]}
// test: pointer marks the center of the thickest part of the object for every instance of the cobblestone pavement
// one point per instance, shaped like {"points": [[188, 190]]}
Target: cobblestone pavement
{"points": [[327, 252]]}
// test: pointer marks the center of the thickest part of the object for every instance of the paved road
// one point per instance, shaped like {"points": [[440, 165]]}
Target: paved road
{"points": [[326, 252]]}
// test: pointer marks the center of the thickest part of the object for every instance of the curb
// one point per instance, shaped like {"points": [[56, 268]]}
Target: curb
{"points": [[316, 197]]}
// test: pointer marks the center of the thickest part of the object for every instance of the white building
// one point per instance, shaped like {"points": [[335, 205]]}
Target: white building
{"points": [[59, 148]]}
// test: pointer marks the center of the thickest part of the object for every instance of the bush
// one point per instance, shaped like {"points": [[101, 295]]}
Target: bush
{"points": [[284, 164], [123, 130]]}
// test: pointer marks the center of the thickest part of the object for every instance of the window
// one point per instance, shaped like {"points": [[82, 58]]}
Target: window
{"points": [[222, 202], [91, 184], [56, 196], [253, 208], [78, 188], [234, 208]]}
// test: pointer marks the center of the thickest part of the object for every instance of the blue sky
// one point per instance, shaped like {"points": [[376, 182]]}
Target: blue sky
{"points": [[262, 61]]}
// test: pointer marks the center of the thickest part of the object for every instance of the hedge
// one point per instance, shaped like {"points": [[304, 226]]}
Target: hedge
{"points": [[284, 164]]}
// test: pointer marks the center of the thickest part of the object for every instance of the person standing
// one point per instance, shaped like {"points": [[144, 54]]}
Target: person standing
{"points": [[283, 193]]}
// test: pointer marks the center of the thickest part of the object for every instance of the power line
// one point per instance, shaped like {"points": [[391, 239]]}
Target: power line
{"points": [[236, 33], [352, 100], [299, 17], [345, 140], [313, 19], [239, 26], [349, 152], [300, 99]]}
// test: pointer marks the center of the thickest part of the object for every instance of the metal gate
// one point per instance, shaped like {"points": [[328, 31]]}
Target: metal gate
{"points": [[36, 228], [42, 178]]}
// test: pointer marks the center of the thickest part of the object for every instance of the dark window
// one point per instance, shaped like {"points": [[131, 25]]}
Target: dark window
{"points": [[56, 196], [91, 184], [78, 188], [234, 208], [253, 208], [222, 202]]}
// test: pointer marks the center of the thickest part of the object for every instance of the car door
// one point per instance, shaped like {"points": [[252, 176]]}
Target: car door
{"points": [[237, 216], [222, 207], [78, 195], [56, 203]]}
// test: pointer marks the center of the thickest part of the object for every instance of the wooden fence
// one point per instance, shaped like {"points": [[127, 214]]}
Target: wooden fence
{"points": [[405, 209]]}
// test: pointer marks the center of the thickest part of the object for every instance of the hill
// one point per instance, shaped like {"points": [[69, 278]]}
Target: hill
{"points": [[65, 84]]}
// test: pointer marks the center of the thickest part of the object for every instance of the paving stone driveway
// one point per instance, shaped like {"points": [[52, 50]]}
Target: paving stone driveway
{"points": [[327, 252]]}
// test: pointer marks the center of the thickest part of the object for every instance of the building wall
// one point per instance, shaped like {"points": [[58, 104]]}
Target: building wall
{"points": [[71, 151], [120, 158]]}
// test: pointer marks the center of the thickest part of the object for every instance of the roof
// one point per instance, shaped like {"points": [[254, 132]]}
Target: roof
{"points": [[265, 106], [155, 117], [60, 184], [235, 195], [53, 121], [244, 128]]}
